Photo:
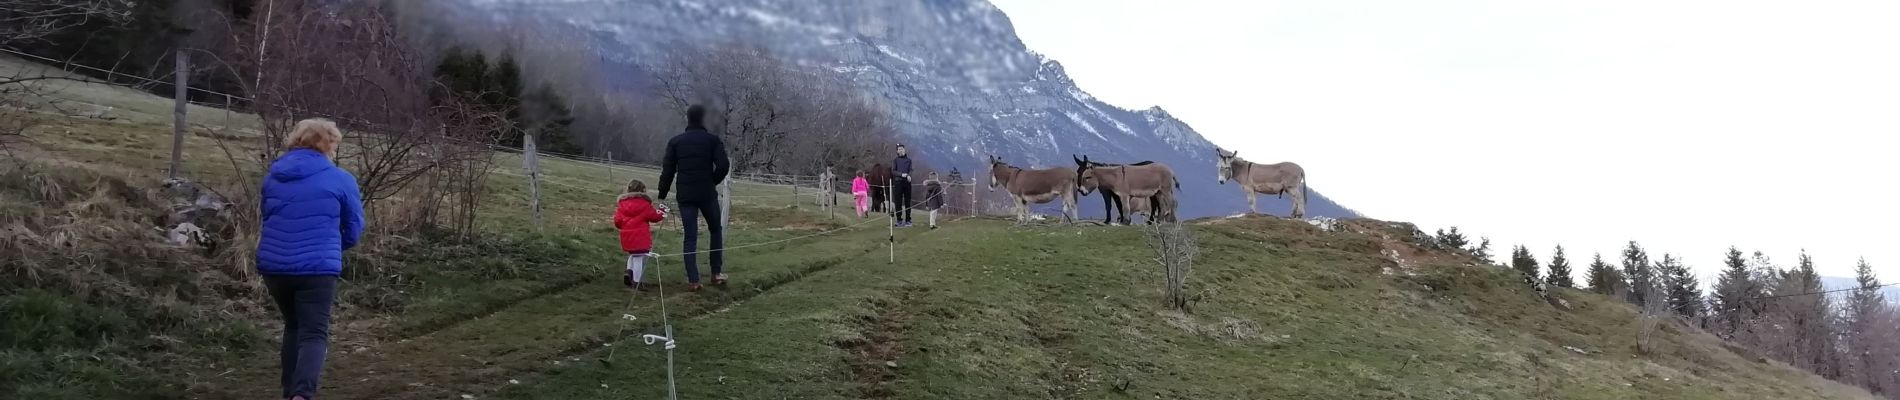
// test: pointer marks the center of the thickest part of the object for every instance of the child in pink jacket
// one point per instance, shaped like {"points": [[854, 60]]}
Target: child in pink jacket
{"points": [[861, 192]]}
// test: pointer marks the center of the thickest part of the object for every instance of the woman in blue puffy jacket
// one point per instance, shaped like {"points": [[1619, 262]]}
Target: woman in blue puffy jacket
{"points": [[312, 212]]}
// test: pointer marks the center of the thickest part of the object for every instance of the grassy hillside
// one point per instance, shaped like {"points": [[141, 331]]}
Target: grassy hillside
{"points": [[93, 307]]}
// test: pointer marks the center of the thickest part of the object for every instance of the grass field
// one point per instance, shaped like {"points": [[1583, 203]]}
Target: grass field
{"points": [[980, 309]]}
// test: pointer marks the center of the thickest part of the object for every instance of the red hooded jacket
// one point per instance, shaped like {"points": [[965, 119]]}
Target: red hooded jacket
{"points": [[633, 218]]}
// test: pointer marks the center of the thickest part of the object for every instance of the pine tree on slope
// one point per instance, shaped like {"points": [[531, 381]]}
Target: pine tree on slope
{"points": [[1559, 274]]}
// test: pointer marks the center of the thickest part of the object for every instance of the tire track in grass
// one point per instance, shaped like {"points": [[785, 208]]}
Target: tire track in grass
{"points": [[782, 343], [728, 299], [478, 356], [873, 355]]}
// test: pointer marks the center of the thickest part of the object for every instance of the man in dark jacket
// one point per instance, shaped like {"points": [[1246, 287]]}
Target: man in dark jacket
{"points": [[698, 158], [900, 186]]}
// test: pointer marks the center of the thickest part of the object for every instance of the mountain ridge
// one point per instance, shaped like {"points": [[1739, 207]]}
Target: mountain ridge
{"points": [[957, 81]]}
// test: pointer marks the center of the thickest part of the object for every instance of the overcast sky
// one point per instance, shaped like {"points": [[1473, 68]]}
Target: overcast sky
{"points": [[1688, 126]]}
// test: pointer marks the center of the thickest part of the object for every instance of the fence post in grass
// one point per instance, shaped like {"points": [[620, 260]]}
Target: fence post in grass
{"points": [[531, 161], [973, 211], [794, 181], [610, 168], [180, 94], [725, 201], [828, 193], [890, 213]]}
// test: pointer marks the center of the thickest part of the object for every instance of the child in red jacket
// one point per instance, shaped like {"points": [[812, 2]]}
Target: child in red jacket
{"points": [[634, 217]]}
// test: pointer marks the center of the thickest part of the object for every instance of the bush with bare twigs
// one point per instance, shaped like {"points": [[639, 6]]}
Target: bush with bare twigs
{"points": [[1175, 249], [761, 104]]}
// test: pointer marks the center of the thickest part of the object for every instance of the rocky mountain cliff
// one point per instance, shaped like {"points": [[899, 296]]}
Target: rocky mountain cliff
{"points": [[953, 74]]}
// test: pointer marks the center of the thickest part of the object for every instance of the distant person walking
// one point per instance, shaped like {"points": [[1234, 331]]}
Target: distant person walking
{"points": [[698, 158], [861, 193], [900, 187], [312, 211], [634, 216]]}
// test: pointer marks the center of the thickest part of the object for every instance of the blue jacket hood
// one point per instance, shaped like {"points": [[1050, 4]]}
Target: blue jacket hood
{"points": [[299, 164]]}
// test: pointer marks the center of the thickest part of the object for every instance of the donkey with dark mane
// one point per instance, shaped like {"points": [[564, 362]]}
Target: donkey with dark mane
{"points": [[1034, 186], [1280, 179], [1146, 181]]}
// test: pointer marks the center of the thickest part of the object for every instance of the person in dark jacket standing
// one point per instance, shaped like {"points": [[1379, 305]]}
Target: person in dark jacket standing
{"points": [[311, 211], [900, 186], [698, 159]]}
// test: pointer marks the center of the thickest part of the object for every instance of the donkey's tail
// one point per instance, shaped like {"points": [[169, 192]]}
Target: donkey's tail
{"points": [[1303, 190]]}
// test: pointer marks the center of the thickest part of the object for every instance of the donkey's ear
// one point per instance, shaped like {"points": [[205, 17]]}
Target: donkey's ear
{"points": [[1078, 161]]}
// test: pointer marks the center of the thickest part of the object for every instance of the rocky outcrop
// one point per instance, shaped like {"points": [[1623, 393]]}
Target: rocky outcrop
{"points": [[953, 74]]}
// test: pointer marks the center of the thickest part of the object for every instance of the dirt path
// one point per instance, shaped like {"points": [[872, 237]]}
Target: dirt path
{"points": [[874, 357], [477, 356]]}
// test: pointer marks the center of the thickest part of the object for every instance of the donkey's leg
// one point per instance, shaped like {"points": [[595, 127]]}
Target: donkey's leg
{"points": [[1072, 207], [1250, 202], [1158, 209], [1121, 204], [1299, 202], [1022, 210]]}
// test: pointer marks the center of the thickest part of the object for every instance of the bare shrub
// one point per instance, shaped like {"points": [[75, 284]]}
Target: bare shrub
{"points": [[760, 104], [1175, 249], [1653, 314], [30, 20], [351, 63]]}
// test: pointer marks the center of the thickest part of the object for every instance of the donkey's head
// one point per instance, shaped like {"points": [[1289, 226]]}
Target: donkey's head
{"points": [[1085, 182], [1224, 164]]}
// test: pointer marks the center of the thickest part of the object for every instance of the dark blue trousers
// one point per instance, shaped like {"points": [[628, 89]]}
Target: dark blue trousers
{"points": [[305, 303], [690, 212]]}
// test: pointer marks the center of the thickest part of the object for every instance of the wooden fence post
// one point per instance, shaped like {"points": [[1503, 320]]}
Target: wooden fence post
{"points": [[531, 160], [180, 92], [973, 211], [725, 202], [891, 215]]}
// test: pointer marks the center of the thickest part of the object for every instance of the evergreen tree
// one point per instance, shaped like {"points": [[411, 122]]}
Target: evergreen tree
{"points": [[1735, 287], [1866, 299], [1809, 318], [1524, 263], [1452, 239], [1636, 269], [1867, 358], [548, 115], [498, 86], [1604, 279], [1559, 274], [1483, 250], [1684, 292]]}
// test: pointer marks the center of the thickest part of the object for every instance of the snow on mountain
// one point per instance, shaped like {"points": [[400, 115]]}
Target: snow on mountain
{"points": [[958, 82]]}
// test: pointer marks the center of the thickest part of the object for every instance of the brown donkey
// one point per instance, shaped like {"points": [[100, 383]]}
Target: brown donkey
{"points": [[1276, 179], [1143, 182], [1034, 186]]}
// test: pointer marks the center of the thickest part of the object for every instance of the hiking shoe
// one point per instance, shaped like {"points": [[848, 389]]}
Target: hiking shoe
{"points": [[627, 279], [693, 287], [719, 279]]}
